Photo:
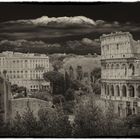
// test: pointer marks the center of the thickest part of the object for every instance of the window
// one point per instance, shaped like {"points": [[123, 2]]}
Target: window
{"points": [[112, 90], [131, 91], [117, 46], [124, 91], [117, 90], [131, 66], [138, 89]]}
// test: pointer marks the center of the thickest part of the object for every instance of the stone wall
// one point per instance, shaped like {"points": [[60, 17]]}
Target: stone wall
{"points": [[22, 104], [117, 45]]}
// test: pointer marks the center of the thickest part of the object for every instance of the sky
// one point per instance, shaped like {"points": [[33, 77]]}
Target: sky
{"points": [[63, 22], [122, 12]]}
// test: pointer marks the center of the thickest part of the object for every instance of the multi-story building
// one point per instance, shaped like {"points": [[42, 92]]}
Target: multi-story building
{"points": [[120, 72], [25, 69]]}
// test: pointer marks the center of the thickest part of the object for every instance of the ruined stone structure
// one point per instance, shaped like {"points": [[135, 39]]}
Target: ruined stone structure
{"points": [[5, 97], [21, 105], [10, 107], [120, 72]]}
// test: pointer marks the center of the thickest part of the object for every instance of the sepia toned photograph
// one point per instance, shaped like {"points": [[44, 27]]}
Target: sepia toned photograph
{"points": [[70, 70]]}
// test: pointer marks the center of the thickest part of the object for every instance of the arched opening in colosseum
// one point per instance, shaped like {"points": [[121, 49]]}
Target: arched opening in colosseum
{"points": [[104, 88], [132, 67], [124, 91], [107, 65], [131, 91], [112, 66], [117, 66], [124, 67], [112, 90], [138, 91], [107, 90], [117, 90]]}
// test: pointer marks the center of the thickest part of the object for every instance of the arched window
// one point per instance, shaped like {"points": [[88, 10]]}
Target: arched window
{"points": [[112, 90], [131, 66], [119, 111], [112, 66], [107, 90], [104, 88], [124, 91], [123, 66], [117, 66], [131, 91], [138, 90], [117, 90], [107, 66]]}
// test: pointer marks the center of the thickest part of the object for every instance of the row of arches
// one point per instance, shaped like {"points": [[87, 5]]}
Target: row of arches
{"points": [[119, 66], [115, 70], [124, 91]]}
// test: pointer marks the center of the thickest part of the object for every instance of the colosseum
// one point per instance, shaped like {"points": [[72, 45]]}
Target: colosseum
{"points": [[120, 65]]}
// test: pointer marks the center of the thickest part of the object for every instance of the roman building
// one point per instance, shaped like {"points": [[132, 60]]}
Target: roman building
{"points": [[120, 72], [5, 97], [25, 69]]}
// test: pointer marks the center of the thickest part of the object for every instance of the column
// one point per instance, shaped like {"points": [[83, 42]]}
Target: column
{"points": [[135, 90], [120, 90], [127, 91]]}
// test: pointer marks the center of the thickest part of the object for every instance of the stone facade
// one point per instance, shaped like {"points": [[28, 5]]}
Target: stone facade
{"points": [[120, 72], [21, 106], [5, 97], [10, 107], [25, 69]]}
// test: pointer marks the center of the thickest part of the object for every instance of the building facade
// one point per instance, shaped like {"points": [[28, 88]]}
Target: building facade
{"points": [[120, 72], [25, 69]]}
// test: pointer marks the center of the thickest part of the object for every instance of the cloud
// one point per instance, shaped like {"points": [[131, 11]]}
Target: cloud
{"points": [[89, 42], [62, 29], [20, 43], [78, 21], [100, 22]]}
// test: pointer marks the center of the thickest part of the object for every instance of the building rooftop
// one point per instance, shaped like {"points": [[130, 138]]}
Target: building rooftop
{"points": [[18, 54], [116, 34]]}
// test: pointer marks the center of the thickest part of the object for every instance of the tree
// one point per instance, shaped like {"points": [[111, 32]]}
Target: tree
{"points": [[14, 88], [57, 64], [56, 81], [75, 84], [54, 123], [69, 95], [42, 96], [58, 99], [79, 73], [18, 91], [96, 74], [96, 88], [67, 80], [112, 124], [91, 120], [88, 118], [25, 125]]}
